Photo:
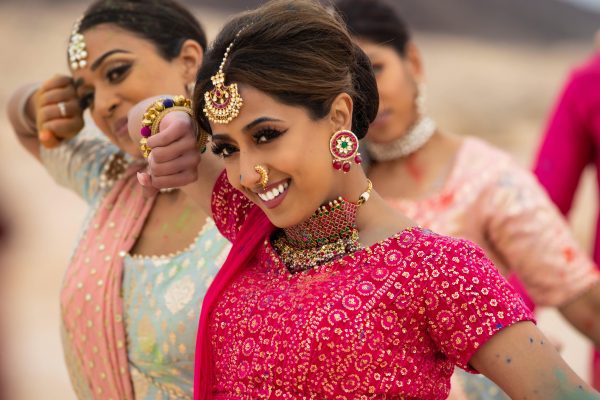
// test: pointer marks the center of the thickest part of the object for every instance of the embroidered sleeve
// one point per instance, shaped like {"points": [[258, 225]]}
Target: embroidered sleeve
{"points": [[229, 207], [78, 163], [467, 301], [529, 232]]}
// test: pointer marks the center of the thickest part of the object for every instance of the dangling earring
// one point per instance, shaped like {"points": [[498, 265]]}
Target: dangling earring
{"points": [[343, 146]]}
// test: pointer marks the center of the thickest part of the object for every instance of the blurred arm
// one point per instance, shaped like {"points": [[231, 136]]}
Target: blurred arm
{"points": [[21, 114], [584, 314], [566, 147], [533, 238], [525, 365]]}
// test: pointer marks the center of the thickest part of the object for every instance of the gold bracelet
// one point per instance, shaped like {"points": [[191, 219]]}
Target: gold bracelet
{"points": [[201, 135], [156, 123], [154, 115], [157, 108]]}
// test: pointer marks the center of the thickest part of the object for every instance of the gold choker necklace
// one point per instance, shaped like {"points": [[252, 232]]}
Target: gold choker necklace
{"points": [[329, 234]]}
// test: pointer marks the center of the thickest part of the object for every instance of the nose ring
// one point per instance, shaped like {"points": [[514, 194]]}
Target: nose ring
{"points": [[264, 175]]}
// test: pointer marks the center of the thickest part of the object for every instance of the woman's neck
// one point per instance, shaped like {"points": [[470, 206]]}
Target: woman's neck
{"points": [[421, 174]]}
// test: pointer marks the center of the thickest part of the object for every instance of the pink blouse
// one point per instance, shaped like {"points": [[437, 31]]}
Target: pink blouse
{"points": [[391, 319], [572, 139], [493, 202], [570, 144]]}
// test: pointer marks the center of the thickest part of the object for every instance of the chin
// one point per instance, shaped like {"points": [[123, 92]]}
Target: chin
{"points": [[286, 216], [379, 135], [282, 219]]}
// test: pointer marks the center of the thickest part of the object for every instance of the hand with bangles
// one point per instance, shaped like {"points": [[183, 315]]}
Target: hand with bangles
{"points": [[57, 111], [175, 159], [173, 152]]}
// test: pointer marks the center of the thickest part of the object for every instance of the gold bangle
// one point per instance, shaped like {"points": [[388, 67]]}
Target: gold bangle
{"points": [[144, 148], [154, 115], [201, 135], [156, 123], [155, 109]]}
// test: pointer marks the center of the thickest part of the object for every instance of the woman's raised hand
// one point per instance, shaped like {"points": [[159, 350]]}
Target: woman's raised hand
{"points": [[174, 159], [57, 111]]}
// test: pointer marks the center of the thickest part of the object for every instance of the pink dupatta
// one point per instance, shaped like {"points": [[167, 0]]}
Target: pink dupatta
{"points": [[91, 300], [254, 231]]}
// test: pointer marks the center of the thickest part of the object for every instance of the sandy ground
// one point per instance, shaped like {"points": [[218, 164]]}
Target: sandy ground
{"points": [[499, 92]]}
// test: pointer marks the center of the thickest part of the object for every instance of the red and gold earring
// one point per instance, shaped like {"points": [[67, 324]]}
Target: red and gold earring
{"points": [[343, 146]]}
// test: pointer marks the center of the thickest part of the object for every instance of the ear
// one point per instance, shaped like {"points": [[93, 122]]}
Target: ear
{"points": [[190, 58], [414, 61], [340, 113]]}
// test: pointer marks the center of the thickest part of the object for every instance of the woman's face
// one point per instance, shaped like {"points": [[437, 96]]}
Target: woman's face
{"points": [[122, 70], [292, 146], [397, 82]]}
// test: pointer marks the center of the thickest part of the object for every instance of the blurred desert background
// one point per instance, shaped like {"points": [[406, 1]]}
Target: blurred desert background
{"points": [[494, 69]]}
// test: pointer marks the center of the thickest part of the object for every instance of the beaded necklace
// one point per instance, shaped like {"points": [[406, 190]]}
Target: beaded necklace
{"points": [[114, 169], [330, 233], [416, 137]]}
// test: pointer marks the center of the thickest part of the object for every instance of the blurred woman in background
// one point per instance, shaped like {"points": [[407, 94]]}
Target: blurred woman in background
{"points": [[570, 144], [463, 187], [132, 292]]}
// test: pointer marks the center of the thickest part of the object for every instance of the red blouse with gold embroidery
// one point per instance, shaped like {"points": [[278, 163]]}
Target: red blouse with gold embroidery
{"points": [[389, 320]]}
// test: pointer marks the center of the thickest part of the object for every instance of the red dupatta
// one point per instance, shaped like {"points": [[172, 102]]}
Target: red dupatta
{"points": [[254, 231]]}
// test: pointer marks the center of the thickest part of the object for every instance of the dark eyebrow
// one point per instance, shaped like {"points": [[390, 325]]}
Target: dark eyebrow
{"points": [[219, 136], [223, 136], [99, 60], [259, 121]]}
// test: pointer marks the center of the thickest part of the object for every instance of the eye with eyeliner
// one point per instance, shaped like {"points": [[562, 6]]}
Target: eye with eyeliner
{"points": [[113, 75], [223, 149], [261, 136], [118, 73], [267, 134]]}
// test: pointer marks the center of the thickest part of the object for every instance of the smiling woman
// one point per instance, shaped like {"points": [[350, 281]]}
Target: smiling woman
{"points": [[143, 264], [328, 293]]}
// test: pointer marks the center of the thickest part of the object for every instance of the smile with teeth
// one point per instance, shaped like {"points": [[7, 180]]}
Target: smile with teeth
{"points": [[274, 193]]}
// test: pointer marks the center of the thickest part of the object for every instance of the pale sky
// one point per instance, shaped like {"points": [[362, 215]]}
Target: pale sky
{"points": [[594, 4]]}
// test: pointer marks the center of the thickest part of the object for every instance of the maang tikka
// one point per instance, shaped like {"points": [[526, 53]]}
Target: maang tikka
{"points": [[343, 146], [77, 48], [223, 102]]}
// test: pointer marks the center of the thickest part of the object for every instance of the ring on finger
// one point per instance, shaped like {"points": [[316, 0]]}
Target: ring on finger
{"points": [[62, 107]]}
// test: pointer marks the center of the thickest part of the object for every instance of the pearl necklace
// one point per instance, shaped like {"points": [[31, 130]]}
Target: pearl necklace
{"points": [[413, 140]]}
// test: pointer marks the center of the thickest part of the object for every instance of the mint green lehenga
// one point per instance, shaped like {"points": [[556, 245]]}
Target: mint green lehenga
{"points": [[162, 295]]}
